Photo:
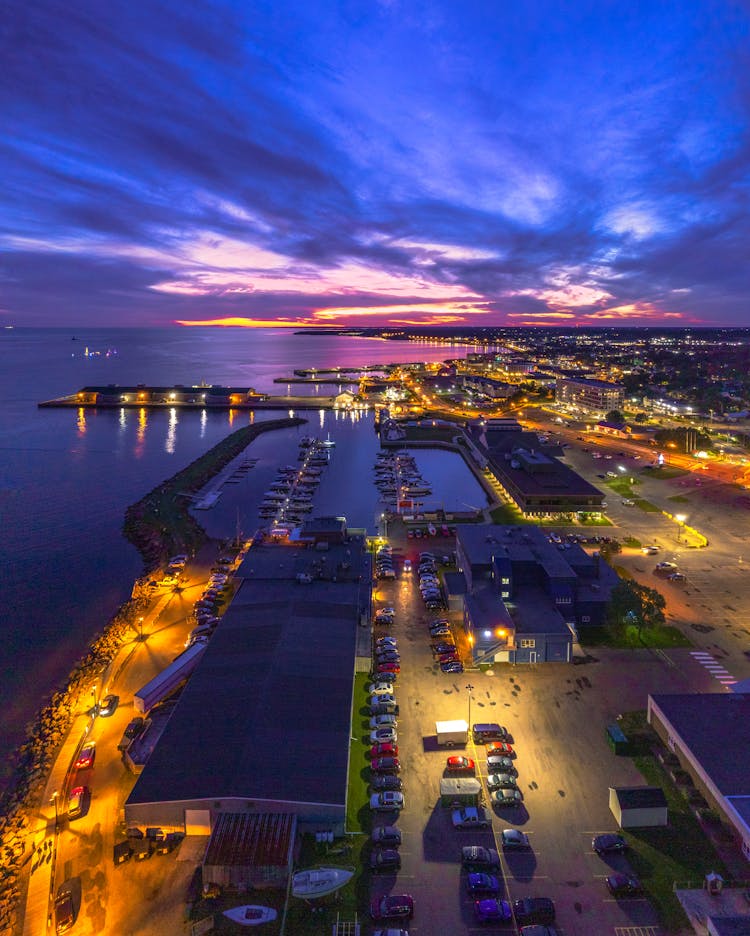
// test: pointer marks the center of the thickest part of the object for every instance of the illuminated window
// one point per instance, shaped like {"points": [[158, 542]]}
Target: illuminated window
{"points": [[506, 594], [505, 581], [527, 642]]}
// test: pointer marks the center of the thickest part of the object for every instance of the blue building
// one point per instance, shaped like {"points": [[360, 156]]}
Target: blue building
{"points": [[526, 596]]}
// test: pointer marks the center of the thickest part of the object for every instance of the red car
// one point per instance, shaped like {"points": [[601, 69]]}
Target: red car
{"points": [[460, 764], [86, 756], [386, 749], [447, 657], [499, 747], [388, 668]]}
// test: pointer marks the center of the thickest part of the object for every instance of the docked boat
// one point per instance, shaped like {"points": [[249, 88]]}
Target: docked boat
{"points": [[328, 442], [318, 882], [207, 501], [250, 915]]}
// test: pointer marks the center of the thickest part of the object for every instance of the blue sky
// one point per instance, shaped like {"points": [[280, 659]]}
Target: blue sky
{"points": [[375, 163]]}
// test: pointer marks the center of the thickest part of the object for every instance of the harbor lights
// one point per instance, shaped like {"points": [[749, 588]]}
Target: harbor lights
{"points": [[680, 518]]}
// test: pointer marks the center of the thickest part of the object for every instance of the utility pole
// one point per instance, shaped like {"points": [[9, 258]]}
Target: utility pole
{"points": [[471, 689]]}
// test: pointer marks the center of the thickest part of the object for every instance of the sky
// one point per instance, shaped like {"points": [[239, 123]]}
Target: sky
{"points": [[384, 162]]}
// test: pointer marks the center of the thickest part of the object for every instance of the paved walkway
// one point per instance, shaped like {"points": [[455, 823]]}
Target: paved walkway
{"points": [[38, 917]]}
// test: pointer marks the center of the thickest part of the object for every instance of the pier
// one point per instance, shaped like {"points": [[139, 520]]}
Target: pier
{"points": [[201, 396]]}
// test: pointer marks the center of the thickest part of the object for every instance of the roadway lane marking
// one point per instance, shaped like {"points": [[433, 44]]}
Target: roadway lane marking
{"points": [[716, 669], [637, 931]]}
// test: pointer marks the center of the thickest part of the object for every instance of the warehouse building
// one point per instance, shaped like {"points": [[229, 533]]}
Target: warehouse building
{"points": [[274, 684]]}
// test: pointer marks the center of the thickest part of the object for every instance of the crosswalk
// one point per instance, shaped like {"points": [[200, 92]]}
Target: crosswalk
{"points": [[637, 931], [715, 668]]}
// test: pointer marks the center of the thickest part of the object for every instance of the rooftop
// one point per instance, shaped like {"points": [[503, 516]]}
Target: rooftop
{"points": [[715, 727], [253, 709]]}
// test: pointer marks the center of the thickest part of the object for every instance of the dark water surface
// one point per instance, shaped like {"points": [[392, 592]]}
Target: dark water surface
{"points": [[67, 476]]}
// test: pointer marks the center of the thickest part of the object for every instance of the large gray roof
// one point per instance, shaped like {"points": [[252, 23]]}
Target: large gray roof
{"points": [[715, 728], [266, 715]]}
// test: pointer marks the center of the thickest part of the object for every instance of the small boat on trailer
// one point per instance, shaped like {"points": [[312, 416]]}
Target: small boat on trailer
{"points": [[319, 882], [250, 915]]}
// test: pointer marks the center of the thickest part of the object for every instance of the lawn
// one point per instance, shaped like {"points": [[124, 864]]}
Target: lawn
{"points": [[631, 542], [628, 638], [679, 499], [622, 485], [505, 514], [646, 506], [666, 472], [678, 852]]}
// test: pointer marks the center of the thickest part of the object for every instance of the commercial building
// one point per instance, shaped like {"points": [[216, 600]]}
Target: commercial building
{"points": [[272, 691], [588, 394], [177, 395], [525, 595], [531, 474], [710, 735]]}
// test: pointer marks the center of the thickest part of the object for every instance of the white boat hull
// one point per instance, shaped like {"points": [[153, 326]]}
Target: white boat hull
{"points": [[319, 882], [250, 915]]}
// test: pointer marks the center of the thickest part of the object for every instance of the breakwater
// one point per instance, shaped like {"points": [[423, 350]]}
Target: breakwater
{"points": [[160, 524]]}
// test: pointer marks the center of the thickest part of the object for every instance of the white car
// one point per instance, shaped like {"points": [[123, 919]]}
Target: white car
{"points": [[379, 689], [384, 736], [389, 799], [383, 721]]}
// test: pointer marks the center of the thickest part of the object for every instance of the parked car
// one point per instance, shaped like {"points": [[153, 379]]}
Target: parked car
{"points": [[502, 748], [608, 842], [471, 817], [479, 882], [479, 858], [492, 910], [499, 763], [498, 781], [392, 906], [534, 910], [380, 735], [77, 801], [623, 885], [386, 781], [385, 765], [386, 835], [506, 796], [384, 708], [385, 860], [386, 749], [460, 764], [453, 667], [677, 577], [389, 799], [379, 688], [65, 914], [392, 669], [86, 756], [514, 839]]}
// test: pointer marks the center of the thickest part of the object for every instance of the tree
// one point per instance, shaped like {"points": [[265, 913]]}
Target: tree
{"points": [[607, 550], [615, 416], [633, 603]]}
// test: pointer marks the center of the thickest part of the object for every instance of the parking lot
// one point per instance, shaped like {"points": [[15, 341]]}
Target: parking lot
{"points": [[556, 715]]}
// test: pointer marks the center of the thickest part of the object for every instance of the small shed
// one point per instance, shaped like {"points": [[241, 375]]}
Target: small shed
{"points": [[638, 807]]}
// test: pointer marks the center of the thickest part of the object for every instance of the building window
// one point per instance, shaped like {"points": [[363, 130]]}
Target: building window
{"points": [[585, 619], [527, 642], [505, 594], [505, 581]]}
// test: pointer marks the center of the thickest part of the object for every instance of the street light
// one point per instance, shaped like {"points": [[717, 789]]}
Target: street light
{"points": [[54, 803], [470, 688], [140, 628], [680, 518]]}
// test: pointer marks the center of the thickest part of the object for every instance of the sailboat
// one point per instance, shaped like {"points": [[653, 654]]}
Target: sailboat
{"points": [[328, 441], [318, 882]]}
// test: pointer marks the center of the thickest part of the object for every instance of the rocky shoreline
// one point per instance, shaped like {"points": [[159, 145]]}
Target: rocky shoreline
{"points": [[159, 525]]}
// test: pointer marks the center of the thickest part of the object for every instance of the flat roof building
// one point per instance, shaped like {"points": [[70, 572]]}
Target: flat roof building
{"points": [[585, 393], [274, 684], [710, 735]]}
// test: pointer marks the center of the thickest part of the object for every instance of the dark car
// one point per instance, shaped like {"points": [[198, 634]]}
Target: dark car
{"points": [[500, 763], [454, 667], [392, 907], [478, 858], [135, 726], [443, 647], [386, 764], [108, 705], [386, 782], [608, 842], [514, 839], [492, 910], [623, 885], [534, 910], [479, 882], [386, 835], [65, 914], [385, 859]]}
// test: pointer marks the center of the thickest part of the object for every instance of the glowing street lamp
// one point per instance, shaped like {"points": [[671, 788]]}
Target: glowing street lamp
{"points": [[470, 689], [680, 518], [55, 796]]}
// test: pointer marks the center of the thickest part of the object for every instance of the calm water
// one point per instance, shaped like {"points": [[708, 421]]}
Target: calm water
{"points": [[67, 476]]}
